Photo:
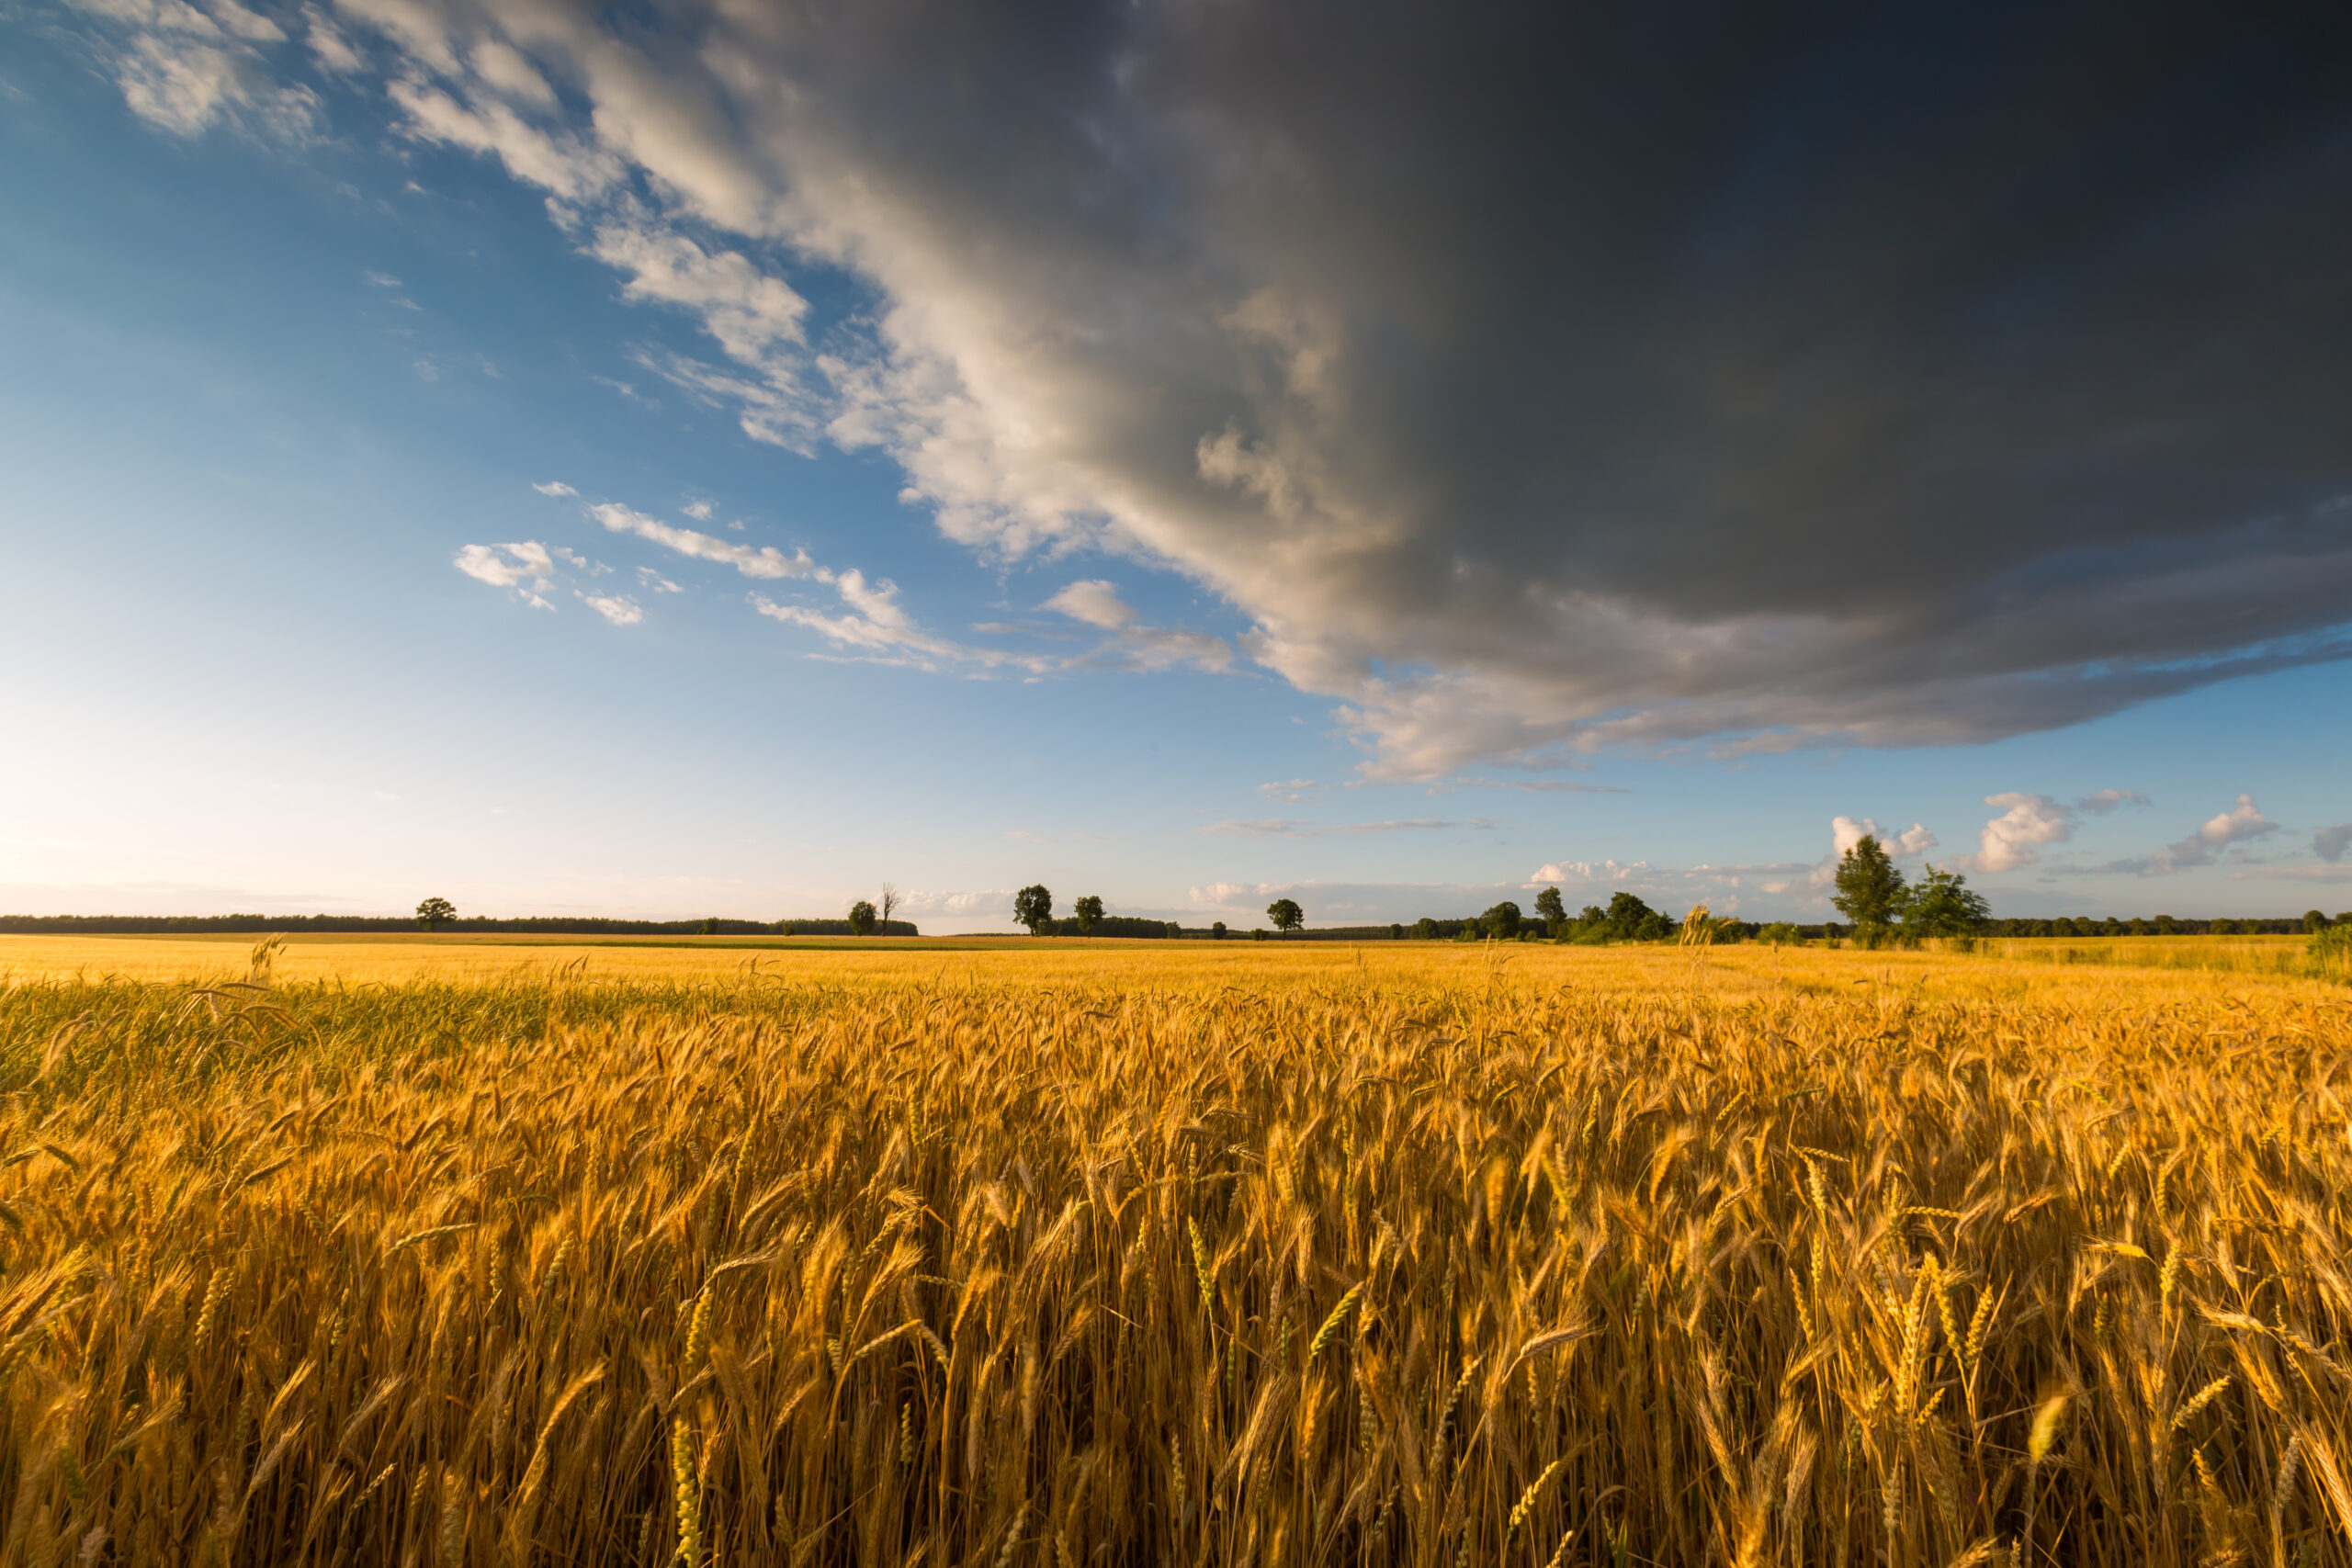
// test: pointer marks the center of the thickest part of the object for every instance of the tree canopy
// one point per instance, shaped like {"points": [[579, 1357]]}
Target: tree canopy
{"points": [[436, 911], [1942, 904], [1869, 890], [1088, 911], [1501, 921], [1033, 907], [1285, 914], [861, 918]]}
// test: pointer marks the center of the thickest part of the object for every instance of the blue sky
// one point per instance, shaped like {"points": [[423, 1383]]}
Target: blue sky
{"points": [[441, 465]]}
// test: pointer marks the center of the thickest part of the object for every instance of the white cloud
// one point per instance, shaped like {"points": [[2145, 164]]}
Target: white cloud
{"points": [[699, 510], [1291, 790], [1094, 602], [2329, 843], [188, 73], [654, 581], [328, 46], [1132, 644], [381, 279], [751, 314], [2242, 824], [524, 566], [1230, 895], [1845, 832], [2008, 842], [555, 487], [617, 608], [766, 561], [505, 566]]}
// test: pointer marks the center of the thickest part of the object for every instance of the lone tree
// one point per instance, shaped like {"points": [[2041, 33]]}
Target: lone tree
{"points": [[1088, 911], [1033, 906], [861, 918], [434, 911], [1554, 913], [889, 903], [1869, 890], [1285, 914], [1501, 921]]}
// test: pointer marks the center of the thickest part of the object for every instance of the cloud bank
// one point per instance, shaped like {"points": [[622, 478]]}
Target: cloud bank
{"points": [[1531, 382]]}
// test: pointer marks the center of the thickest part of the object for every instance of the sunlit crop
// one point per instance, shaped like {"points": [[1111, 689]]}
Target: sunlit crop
{"points": [[1315, 1256]]}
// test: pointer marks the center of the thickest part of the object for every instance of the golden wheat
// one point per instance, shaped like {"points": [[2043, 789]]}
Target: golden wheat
{"points": [[1680, 1259]]}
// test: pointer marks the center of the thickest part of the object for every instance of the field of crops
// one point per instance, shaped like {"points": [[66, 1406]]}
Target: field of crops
{"points": [[1248, 1253]]}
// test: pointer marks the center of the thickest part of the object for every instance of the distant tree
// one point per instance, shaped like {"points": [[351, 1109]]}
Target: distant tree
{"points": [[1943, 904], [1869, 890], [1630, 920], [1258, 933], [889, 905], [1033, 906], [1088, 911], [434, 912], [1780, 933], [1425, 929], [1501, 921], [2142, 926], [1216, 931], [1554, 913], [1285, 914], [2223, 927], [861, 918], [2313, 921], [709, 926], [1396, 932]]}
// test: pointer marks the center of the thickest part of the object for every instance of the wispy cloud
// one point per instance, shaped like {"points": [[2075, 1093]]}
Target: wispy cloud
{"points": [[524, 566], [531, 570], [1530, 787], [1297, 828], [555, 487], [1133, 645], [764, 561], [2221, 836], [617, 608], [2329, 843]]}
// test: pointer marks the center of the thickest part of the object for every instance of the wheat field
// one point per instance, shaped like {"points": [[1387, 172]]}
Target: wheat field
{"points": [[1210, 1255]]}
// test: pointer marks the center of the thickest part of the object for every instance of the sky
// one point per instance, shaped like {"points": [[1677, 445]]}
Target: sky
{"points": [[718, 458]]}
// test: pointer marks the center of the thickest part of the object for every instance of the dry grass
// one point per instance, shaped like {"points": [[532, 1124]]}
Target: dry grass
{"points": [[1428, 1258]]}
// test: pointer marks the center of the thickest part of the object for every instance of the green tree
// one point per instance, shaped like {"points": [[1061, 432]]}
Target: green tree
{"points": [[1554, 913], [709, 926], [1088, 911], [1216, 931], [1285, 914], [1425, 929], [862, 920], [1869, 890], [1501, 921], [434, 912], [1780, 933], [1033, 906], [1627, 916], [2313, 921], [1944, 905]]}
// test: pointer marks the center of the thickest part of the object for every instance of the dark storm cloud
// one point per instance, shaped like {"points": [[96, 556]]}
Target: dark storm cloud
{"points": [[1534, 378]]}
